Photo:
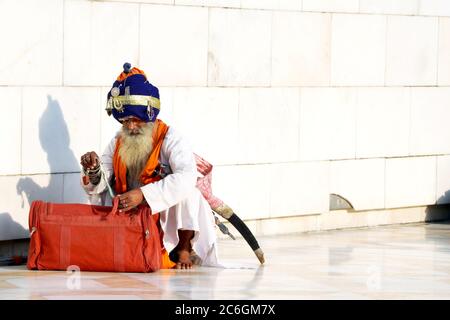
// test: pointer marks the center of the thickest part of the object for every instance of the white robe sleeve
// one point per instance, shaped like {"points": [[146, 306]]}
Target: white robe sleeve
{"points": [[107, 162], [163, 194]]}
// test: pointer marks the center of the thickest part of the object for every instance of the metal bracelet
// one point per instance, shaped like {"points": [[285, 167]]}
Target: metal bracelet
{"points": [[93, 174]]}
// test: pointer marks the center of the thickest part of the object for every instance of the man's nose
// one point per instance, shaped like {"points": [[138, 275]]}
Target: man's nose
{"points": [[132, 125]]}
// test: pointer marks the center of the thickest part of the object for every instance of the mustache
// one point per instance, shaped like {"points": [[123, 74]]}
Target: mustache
{"points": [[133, 132]]}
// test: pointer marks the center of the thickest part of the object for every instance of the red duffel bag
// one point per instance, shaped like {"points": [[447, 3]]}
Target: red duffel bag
{"points": [[93, 238]]}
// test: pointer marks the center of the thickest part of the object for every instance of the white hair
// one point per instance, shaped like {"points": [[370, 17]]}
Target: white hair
{"points": [[135, 149]]}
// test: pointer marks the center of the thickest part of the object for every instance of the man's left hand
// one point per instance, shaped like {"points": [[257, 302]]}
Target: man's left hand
{"points": [[130, 200]]}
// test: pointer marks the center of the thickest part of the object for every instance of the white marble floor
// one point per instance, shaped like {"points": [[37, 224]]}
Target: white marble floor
{"points": [[392, 262]]}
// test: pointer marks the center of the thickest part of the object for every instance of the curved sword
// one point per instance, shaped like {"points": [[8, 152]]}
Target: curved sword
{"points": [[220, 207]]}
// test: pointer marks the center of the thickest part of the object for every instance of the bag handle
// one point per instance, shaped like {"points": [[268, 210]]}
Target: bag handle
{"points": [[114, 208], [115, 205]]}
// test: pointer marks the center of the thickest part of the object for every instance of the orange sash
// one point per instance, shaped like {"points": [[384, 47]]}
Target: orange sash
{"points": [[120, 173]]}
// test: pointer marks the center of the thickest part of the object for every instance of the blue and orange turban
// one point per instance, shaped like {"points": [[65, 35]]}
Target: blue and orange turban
{"points": [[132, 95]]}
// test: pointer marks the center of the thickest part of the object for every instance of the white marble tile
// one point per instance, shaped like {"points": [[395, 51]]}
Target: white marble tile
{"points": [[444, 52], [208, 117], [246, 189], [299, 188], [175, 55], [73, 192], [11, 130], [190, 2], [410, 182], [327, 123], [434, 7], [443, 180], [429, 128], [382, 122], [211, 3], [146, 1], [239, 47], [359, 181], [225, 182], [331, 5], [57, 282], [59, 125], [259, 4], [109, 125], [166, 96], [32, 34], [272, 4], [280, 226], [290, 4], [405, 7], [223, 3], [411, 56], [17, 194], [358, 49], [268, 125], [253, 183], [301, 49], [95, 50]]}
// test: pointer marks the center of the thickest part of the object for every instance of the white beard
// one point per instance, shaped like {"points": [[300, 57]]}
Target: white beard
{"points": [[134, 151]]}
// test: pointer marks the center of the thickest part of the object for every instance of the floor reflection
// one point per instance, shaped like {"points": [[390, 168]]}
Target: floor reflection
{"points": [[393, 262]]}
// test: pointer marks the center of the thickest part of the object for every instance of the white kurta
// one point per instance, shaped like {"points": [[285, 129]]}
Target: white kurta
{"points": [[179, 202]]}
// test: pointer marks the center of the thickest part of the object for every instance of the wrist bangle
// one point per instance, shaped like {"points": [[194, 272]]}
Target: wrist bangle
{"points": [[92, 172]]}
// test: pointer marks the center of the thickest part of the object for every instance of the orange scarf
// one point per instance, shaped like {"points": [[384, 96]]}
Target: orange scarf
{"points": [[120, 169], [120, 173]]}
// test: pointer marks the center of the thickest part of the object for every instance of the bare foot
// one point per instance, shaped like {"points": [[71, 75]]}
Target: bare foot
{"points": [[181, 254], [182, 258]]}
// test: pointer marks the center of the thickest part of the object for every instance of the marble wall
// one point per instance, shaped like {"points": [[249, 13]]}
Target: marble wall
{"points": [[291, 99]]}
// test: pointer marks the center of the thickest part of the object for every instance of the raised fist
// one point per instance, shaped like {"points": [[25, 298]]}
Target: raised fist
{"points": [[90, 160]]}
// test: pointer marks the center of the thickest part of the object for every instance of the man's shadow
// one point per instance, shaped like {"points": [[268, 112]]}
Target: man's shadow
{"points": [[10, 229], [55, 140]]}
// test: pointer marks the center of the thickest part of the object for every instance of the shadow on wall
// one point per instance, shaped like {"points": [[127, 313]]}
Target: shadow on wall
{"points": [[54, 139], [440, 211], [9, 229]]}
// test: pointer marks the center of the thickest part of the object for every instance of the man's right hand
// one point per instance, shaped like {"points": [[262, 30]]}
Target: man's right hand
{"points": [[90, 160]]}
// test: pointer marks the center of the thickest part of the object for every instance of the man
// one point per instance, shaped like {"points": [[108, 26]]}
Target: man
{"points": [[140, 150]]}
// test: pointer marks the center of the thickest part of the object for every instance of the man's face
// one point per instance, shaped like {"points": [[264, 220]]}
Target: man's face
{"points": [[133, 125]]}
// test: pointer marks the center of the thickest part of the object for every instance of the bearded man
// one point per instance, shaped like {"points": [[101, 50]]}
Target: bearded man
{"points": [[136, 163]]}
